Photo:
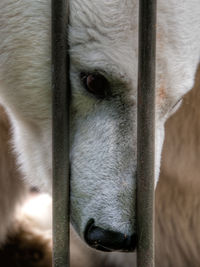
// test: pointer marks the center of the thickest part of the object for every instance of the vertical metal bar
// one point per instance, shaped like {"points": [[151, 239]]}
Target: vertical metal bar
{"points": [[145, 133], [61, 93]]}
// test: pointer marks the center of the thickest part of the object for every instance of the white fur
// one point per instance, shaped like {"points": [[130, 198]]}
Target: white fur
{"points": [[103, 37]]}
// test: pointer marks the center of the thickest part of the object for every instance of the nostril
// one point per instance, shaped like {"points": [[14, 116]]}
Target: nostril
{"points": [[107, 240]]}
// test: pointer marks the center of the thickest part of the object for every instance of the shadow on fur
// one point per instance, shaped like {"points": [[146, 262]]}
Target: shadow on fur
{"points": [[25, 249]]}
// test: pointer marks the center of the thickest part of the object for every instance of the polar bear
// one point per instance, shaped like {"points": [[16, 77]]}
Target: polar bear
{"points": [[103, 40]]}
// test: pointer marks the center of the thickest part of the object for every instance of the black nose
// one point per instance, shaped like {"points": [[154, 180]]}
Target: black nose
{"points": [[107, 240]]}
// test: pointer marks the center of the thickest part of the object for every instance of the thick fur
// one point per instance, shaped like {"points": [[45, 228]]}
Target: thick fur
{"points": [[177, 203], [103, 38], [12, 189], [23, 241]]}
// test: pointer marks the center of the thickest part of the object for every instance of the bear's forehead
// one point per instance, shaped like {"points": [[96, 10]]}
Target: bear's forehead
{"points": [[104, 37], [103, 21]]}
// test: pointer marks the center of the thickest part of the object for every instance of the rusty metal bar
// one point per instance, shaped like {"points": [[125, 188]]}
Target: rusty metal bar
{"points": [[61, 97], [146, 133]]}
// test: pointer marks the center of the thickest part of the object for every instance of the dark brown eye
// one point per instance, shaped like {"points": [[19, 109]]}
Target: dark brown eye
{"points": [[96, 84]]}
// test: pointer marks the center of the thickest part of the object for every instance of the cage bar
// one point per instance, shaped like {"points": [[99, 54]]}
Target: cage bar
{"points": [[146, 133], [60, 135]]}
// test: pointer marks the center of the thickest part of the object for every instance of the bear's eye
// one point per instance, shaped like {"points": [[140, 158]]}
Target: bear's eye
{"points": [[96, 84]]}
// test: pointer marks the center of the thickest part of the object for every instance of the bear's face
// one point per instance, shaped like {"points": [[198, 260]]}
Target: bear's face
{"points": [[103, 153], [103, 38], [104, 58]]}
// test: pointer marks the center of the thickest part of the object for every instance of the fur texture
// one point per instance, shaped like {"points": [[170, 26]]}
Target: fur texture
{"points": [[103, 38], [177, 205], [12, 189]]}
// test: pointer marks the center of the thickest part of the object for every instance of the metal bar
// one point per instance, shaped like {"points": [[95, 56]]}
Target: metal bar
{"points": [[145, 133], [61, 93]]}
